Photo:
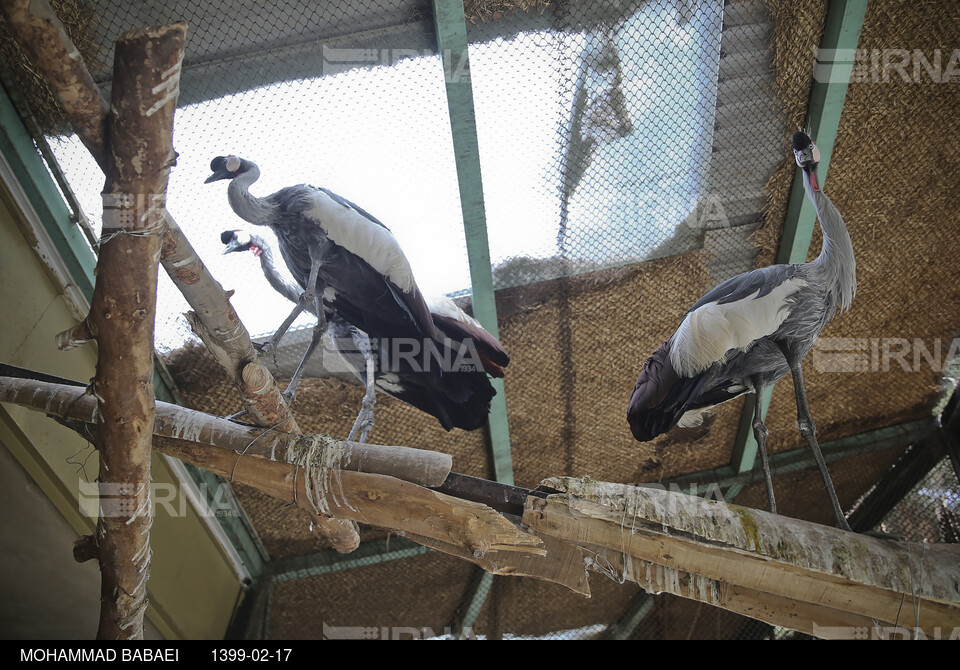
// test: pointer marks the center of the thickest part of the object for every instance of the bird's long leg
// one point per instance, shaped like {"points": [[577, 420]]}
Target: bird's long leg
{"points": [[270, 346], [364, 421], [308, 296], [760, 435], [318, 330], [809, 432]]}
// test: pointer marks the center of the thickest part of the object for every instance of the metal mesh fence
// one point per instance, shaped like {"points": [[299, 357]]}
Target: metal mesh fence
{"points": [[931, 511], [603, 138], [611, 135]]}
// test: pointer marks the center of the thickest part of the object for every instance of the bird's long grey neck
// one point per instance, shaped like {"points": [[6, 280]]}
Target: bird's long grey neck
{"points": [[287, 289], [247, 206], [836, 258]]}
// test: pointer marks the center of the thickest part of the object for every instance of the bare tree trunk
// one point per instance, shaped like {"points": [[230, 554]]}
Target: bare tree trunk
{"points": [[40, 33], [140, 132], [38, 30]]}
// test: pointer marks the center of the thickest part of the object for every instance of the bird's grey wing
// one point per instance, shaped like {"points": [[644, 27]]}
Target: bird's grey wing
{"points": [[734, 316], [351, 205], [753, 284]]}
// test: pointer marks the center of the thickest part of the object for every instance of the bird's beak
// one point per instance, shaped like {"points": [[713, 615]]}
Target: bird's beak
{"points": [[218, 175], [808, 159], [233, 245]]}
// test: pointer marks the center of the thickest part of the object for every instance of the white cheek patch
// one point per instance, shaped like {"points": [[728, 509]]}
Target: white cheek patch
{"points": [[232, 163], [816, 154]]}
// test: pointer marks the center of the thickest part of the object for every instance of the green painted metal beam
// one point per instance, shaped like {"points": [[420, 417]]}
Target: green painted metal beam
{"points": [[638, 610], [452, 45], [21, 153], [326, 562], [832, 71], [801, 459], [451, 26]]}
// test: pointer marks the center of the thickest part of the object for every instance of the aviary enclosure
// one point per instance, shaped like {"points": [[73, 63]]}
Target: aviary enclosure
{"points": [[575, 176]]}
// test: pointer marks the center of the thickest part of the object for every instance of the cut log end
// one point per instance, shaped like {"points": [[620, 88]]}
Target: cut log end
{"points": [[343, 535], [85, 548]]}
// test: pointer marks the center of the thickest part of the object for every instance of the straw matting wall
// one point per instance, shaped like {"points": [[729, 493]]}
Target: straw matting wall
{"points": [[578, 343], [79, 20]]}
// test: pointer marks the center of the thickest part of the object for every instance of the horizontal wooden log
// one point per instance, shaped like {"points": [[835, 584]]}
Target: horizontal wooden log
{"points": [[560, 562], [823, 622], [376, 500], [427, 468], [766, 553]]}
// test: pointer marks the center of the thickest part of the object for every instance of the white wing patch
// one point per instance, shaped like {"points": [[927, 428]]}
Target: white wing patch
{"points": [[442, 305], [358, 234], [709, 332], [691, 419]]}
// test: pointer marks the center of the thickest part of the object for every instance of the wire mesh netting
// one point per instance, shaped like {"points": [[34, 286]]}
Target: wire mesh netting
{"points": [[591, 157], [631, 156]]}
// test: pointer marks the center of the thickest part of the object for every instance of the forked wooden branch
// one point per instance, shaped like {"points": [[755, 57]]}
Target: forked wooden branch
{"points": [[213, 318]]}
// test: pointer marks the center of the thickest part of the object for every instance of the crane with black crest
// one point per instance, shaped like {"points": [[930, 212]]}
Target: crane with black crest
{"points": [[749, 332], [348, 263]]}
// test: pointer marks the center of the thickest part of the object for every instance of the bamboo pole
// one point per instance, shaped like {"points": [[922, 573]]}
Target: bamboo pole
{"points": [[214, 320]]}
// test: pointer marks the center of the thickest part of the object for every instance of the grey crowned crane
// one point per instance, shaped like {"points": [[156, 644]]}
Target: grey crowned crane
{"points": [[749, 332], [349, 263], [340, 331]]}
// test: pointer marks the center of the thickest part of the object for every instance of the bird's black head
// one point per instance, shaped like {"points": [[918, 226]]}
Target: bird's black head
{"points": [[805, 151], [225, 167], [236, 240]]}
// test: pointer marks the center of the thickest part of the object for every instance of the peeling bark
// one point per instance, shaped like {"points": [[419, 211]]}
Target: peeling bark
{"points": [[78, 410], [140, 132], [221, 328], [41, 34]]}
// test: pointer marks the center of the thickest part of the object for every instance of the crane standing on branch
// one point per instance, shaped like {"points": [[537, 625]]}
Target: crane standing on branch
{"points": [[340, 332], [750, 331], [349, 263]]}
